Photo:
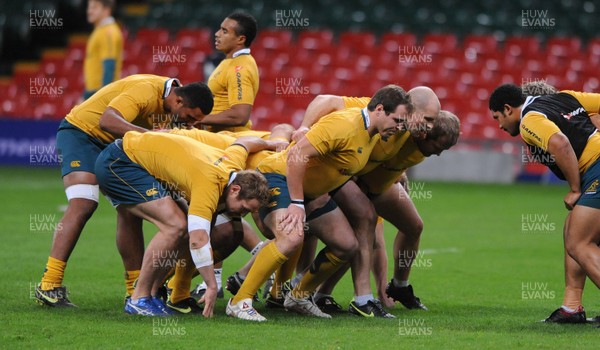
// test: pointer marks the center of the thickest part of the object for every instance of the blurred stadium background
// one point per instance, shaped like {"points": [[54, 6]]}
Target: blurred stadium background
{"points": [[460, 49]]}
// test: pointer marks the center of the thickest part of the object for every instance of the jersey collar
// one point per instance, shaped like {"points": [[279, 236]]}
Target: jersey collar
{"points": [[107, 20], [245, 51], [168, 85], [366, 118], [528, 101], [232, 176]]}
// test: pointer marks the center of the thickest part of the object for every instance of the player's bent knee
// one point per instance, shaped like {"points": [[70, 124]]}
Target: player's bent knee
{"points": [[416, 228], [349, 249], [574, 250], [293, 240], [176, 229]]}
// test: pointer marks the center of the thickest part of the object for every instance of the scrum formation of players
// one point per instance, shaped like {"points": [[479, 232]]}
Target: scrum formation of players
{"points": [[185, 158]]}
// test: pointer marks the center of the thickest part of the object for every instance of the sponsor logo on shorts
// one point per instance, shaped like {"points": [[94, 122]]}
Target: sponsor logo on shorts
{"points": [[151, 192], [75, 164], [272, 204], [275, 191], [593, 188]]}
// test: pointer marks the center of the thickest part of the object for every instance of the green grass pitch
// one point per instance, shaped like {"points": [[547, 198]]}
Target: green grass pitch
{"points": [[492, 269]]}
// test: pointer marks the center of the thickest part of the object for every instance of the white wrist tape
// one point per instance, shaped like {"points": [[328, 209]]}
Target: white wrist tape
{"points": [[197, 223], [202, 256], [90, 192]]}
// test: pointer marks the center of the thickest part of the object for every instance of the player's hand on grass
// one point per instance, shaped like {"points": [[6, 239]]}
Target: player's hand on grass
{"points": [[209, 299], [571, 198], [299, 133]]}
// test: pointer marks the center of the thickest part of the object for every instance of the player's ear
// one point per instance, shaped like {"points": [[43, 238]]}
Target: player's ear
{"points": [[234, 190], [242, 40]]}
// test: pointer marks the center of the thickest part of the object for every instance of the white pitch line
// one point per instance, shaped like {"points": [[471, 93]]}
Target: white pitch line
{"points": [[440, 250]]}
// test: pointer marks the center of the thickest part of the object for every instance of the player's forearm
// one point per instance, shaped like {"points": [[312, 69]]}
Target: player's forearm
{"points": [[564, 156], [296, 167], [237, 115], [321, 106], [201, 253], [252, 144], [208, 275], [116, 125]]}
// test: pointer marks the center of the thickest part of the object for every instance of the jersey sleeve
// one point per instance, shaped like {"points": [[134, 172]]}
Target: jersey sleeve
{"points": [[108, 45], [133, 100], [536, 130], [235, 157], [352, 102], [240, 89], [589, 101], [204, 199], [329, 134], [209, 138]]}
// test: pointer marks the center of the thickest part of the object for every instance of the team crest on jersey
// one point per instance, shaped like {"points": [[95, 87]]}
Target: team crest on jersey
{"points": [[151, 192], [593, 188], [75, 164]]}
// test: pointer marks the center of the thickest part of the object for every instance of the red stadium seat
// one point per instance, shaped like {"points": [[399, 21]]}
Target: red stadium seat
{"points": [[195, 39], [153, 36], [439, 43], [478, 48], [522, 46], [273, 40], [593, 52], [391, 41], [316, 40], [563, 46], [352, 44], [389, 47], [357, 38]]}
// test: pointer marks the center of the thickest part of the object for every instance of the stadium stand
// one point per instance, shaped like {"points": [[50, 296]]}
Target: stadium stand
{"points": [[461, 54]]}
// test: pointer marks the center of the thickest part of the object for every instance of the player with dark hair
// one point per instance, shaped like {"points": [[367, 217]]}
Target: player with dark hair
{"points": [[323, 160], [557, 127], [246, 26], [571, 310], [136, 103], [235, 81], [104, 49]]}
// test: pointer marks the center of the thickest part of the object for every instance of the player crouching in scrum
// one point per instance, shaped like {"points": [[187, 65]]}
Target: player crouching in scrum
{"points": [[132, 173]]}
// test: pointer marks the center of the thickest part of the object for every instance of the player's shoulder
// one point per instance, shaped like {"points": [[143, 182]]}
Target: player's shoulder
{"points": [[244, 61], [349, 118]]}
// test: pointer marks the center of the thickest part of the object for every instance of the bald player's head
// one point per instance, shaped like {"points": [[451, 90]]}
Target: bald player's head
{"points": [[426, 109], [425, 101]]}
